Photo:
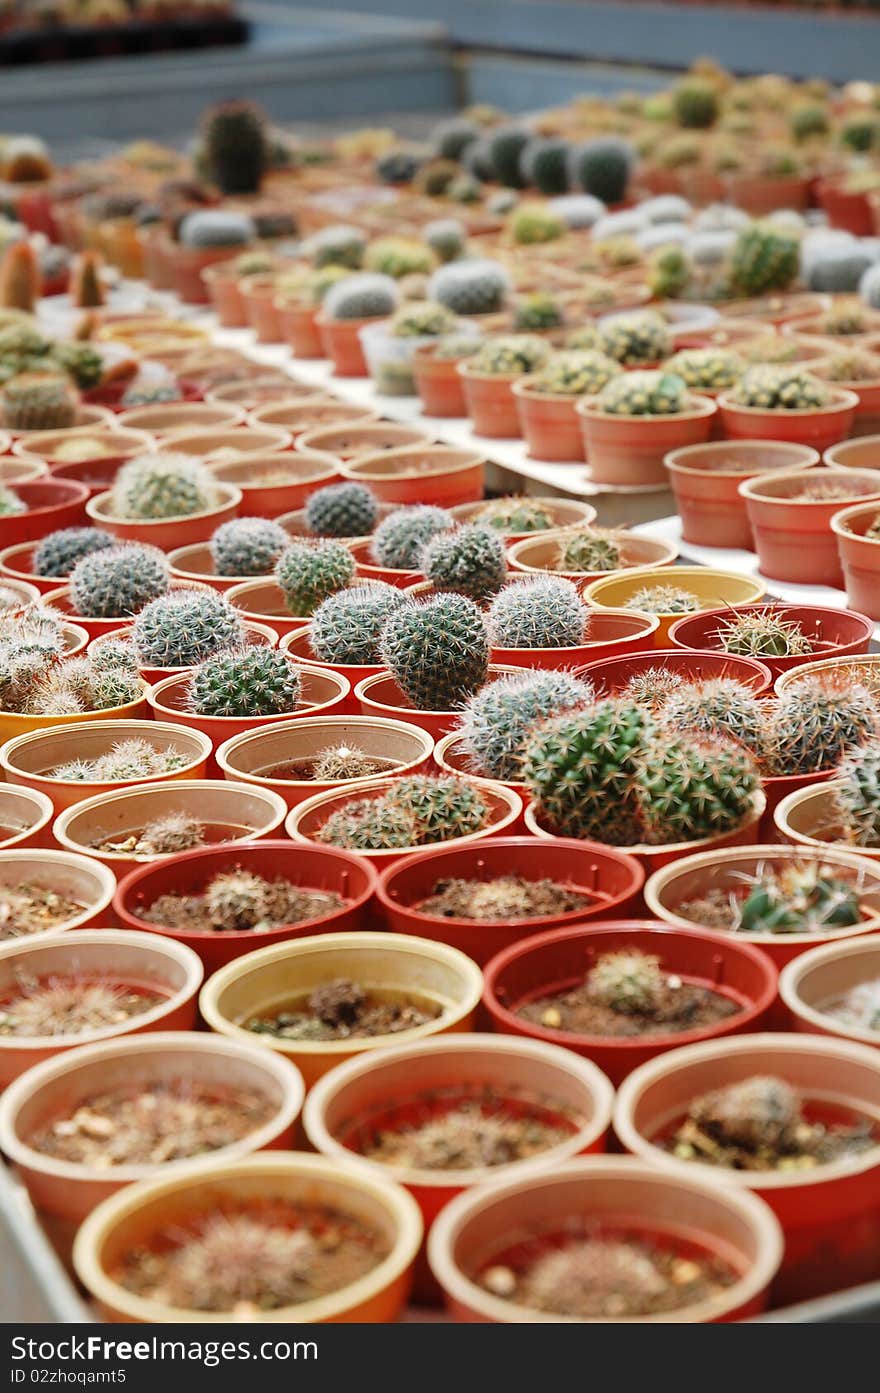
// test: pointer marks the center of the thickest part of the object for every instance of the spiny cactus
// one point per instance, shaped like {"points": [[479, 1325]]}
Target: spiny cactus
{"points": [[496, 723], [670, 272], [36, 680], [510, 355], [438, 650], [644, 394], [629, 982], [799, 898], [114, 652], [254, 681], [816, 721], [183, 627], [339, 763], [505, 146], [163, 486], [513, 515], [638, 336], [662, 599], [468, 559], [434, 178], [539, 612], [762, 633], [346, 627], [422, 319], [574, 373], [544, 163], [342, 510], [537, 312], [117, 581], [38, 401], [308, 572], [453, 347], [694, 787], [422, 808], [578, 210], [447, 238], [170, 834], [764, 258], [363, 295], [401, 537], [370, 824], [470, 286], [10, 503], [706, 369], [857, 795], [451, 138], [397, 167], [652, 687], [398, 256], [216, 227], [235, 146], [770, 388], [808, 120], [337, 245], [851, 365], [603, 167], [125, 762], [151, 394], [82, 362], [718, 706], [247, 546], [237, 900], [589, 549], [532, 223], [695, 104]]}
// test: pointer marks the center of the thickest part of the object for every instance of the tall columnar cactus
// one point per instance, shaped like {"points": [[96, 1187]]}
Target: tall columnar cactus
{"points": [[469, 560], [401, 537], [603, 167], [247, 546], [19, 278], [470, 286], [118, 581], [538, 612], [695, 104], [346, 627], [175, 485], [308, 572], [857, 795], [183, 627], [236, 147], [496, 723], [363, 295], [816, 721], [719, 706], [438, 651], [38, 401], [695, 787], [253, 681], [764, 258], [342, 510]]}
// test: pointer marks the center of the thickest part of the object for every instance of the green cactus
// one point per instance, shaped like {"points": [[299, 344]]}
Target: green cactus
{"points": [[417, 811], [400, 538], [38, 401], [631, 983], [603, 167], [638, 336], [510, 355], [370, 824], [398, 256], [151, 487], [237, 900], [809, 120], [762, 633], [451, 138], [184, 627], [342, 510], [346, 627], [362, 295], [216, 227], [496, 723], [255, 681], [235, 147], [670, 272], [652, 687], [437, 650], [695, 104], [434, 178], [534, 223], [454, 347], [470, 286], [469, 560], [422, 319], [694, 787], [447, 238], [537, 312], [857, 795], [644, 394], [307, 572], [575, 373], [544, 163], [337, 245], [339, 763], [247, 546], [773, 388], [505, 147], [585, 338], [706, 369], [589, 549], [815, 722], [764, 259], [115, 582], [80, 361], [514, 515], [538, 612], [662, 599], [719, 706], [801, 898]]}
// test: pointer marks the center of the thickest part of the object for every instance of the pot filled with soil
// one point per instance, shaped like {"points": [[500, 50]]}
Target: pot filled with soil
{"points": [[705, 481], [605, 1239], [25, 818], [669, 595], [49, 892], [57, 994], [351, 436], [781, 637], [584, 553], [323, 1000], [278, 481], [790, 515], [835, 990], [90, 459], [274, 1238], [166, 418], [622, 993], [794, 1119], [669, 668], [438, 474], [166, 533], [520, 517]]}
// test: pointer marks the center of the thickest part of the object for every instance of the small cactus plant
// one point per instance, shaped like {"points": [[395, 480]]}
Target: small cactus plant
{"points": [[719, 706], [764, 258], [216, 227], [662, 599], [857, 795], [11, 505], [82, 363], [184, 627], [169, 835], [307, 572], [470, 286], [346, 627], [537, 312], [638, 336], [363, 295], [510, 355], [706, 369], [255, 681], [115, 582], [401, 537], [235, 147], [151, 487], [398, 257], [544, 164], [670, 272], [629, 982], [438, 650], [505, 147], [422, 319], [514, 515], [574, 373], [773, 388], [652, 687], [337, 245], [247, 546], [447, 238], [468, 559], [38, 401], [127, 761], [237, 900], [417, 811], [588, 549], [496, 723], [816, 721], [342, 510], [339, 763], [603, 167], [763, 633], [538, 612], [695, 104], [532, 223]]}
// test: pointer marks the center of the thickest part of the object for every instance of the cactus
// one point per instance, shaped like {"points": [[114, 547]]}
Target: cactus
{"points": [[447, 238], [839, 271], [579, 211], [847, 366], [538, 612], [720, 706], [337, 245], [247, 546], [401, 537], [307, 572], [692, 788], [532, 223], [397, 167], [652, 687], [496, 723], [342, 510], [477, 161], [808, 121], [799, 899], [169, 835], [468, 559], [589, 549], [662, 599], [537, 312], [857, 795], [19, 278], [470, 286], [117, 581], [417, 811], [151, 394], [339, 763], [37, 680], [544, 163], [764, 259], [706, 369], [10, 503], [397, 257], [695, 104], [422, 319], [253, 682], [434, 178], [575, 373], [370, 824], [363, 295], [583, 339], [762, 633], [127, 761], [454, 347], [638, 336], [235, 147], [25, 159], [163, 486], [670, 272], [38, 401], [216, 227], [438, 650], [774, 388], [451, 138], [464, 189], [58, 552], [237, 900], [815, 722], [603, 167], [22, 349], [513, 515], [861, 133], [644, 394], [114, 653], [183, 627], [81, 362], [346, 627], [629, 982], [869, 287], [505, 147], [509, 355]]}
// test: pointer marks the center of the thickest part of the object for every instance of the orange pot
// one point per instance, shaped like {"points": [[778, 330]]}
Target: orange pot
{"points": [[298, 328], [630, 450], [550, 424], [490, 402], [341, 343]]}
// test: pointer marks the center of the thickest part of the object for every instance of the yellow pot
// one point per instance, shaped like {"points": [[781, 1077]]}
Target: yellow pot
{"points": [[712, 589]]}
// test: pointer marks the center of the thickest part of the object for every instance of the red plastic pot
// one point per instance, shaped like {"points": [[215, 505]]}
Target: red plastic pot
{"points": [[824, 975], [97, 473], [760, 194], [557, 960], [258, 293], [859, 557], [305, 471], [50, 503], [299, 329], [610, 675], [611, 879], [490, 402], [438, 384], [550, 424], [630, 450], [16, 563], [262, 602], [793, 535], [834, 633], [25, 817], [312, 867], [818, 429], [165, 533], [830, 1214], [352, 431], [223, 284], [705, 481], [341, 343], [187, 266]]}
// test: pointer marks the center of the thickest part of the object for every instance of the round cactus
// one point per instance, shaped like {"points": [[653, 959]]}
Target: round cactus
{"points": [[447, 238], [588, 550], [514, 515], [118, 581], [652, 687], [346, 627], [451, 138], [496, 723], [421, 319], [544, 163], [706, 369], [603, 167], [398, 256], [539, 612], [644, 394], [691, 788], [308, 572], [172, 833], [629, 982], [762, 633], [575, 373], [38, 401], [578, 210], [114, 653], [401, 537], [695, 104], [444, 807], [363, 295], [237, 900], [470, 286], [58, 552], [370, 824], [538, 312], [662, 599], [337, 245], [342, 510], [235, 146], [469, 560], [532, 223], [82, 362], [163, 486], [255, 681], [247, 546], [510, 355], [339, 763], [857, 794], [438, 650], [720, 706], [184, 627], [764, 258], [216, 227], [506, 145], [638, 336], [773, 388], [816, 721]]}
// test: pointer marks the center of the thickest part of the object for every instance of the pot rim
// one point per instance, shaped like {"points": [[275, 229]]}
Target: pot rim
{"points": [[96, 509], [104, 892], [840, 521], [705, 406], [158, 689], [786, 679], [359, 467], [230, 746], [791, 978], [750, 489], [677, 463], [116, 435], [843, 401], [12, 746], [647, 849], [44, 812], [592, 593]]}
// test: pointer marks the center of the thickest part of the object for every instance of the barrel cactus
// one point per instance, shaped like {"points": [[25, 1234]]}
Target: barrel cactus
{"points": [[150, 487], [183, 627], [762, 633], [514, 515], [58, 552], [719, 706], [117, 581], [589, 549], [857, 795], [816, 721], [253, 682], [307, 572], [663, 599], [538, 612], [346, 627], [437, 649], [38, 401], [767, 387], [695, 104], [544, 163], [575, 373], [216, 227], [247, 546], [644, 394], [638, 336], [401, 537], [342, 510], [496, 723], [470, 286], [706, 369], [510, 355], [603, 167], [764, 259], [692, 788], [363, 295], [469, 560]]}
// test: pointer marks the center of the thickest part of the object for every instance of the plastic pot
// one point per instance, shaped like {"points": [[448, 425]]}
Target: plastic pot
{"points": [[292, 1177], [248, 757], [306, 818], [320, 868], [64, 1192], [859, 556], [705, 480], [830, 1215], [298, 645], [823, 975], [793, 535], [223, 284], [867, 392], [60, 601], [611, 675], [693, 876], [353, 436], [77, 878], [380, 695], [848, 210], [557, 960], [709, 586], [760, 194], [611, 879], [112, 955], [15, 568], [808, 816], [608, 1191], [231, 813], [279, 481], [26, 593], [50, 504], [258, 293], [96, 470], [29, 759], [222, 444], [550, 424], [165, 418], [540, 553], [860, 668], [859, 455], [14, 723], [25, 818], [837, 631], [298, 328], [818, 429], [271, 384], [262, 601], [563, 513], [490, 403], [438, 383], [630, 450], [165, 533], [263, 982], [16, 470], [341, 343], [438, 474]]}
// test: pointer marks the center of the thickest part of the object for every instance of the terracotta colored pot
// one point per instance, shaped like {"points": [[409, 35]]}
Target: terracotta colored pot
{"points": [[353, 436], [630, 450], [557, 960], [607, 876], [15, 568], [258, 293], [298, 327], [27, 760], [793, 535], [60, 600], [26, 593], [250, 392], [306, 818], [166, 418], [674, 885], [818, 429], [262, 601], [380, 695], [863, 667], [608, 1192], [223, 285], [438, 383], [25, 818], [262, 983], [438, 474], [824, 975], [14, 723], [711, 588], [255, 635], [550, 424], [187, 266], [165, 533], [867, 393], [298, 644], [15, 470], [859, 556], [858, 455], [610, 675], [287, 1177], [563, 512], [705, 480], [830, 1215], [539, 553], [451, 757], [490, 402], [610, 632], [50, 504], [831, 631], [296, 415], [760, 194], [116, 956], [808, 816], [111, 448], [367, 569], [77, 878], [248, 757], [726, 332], [341, 343], [220, 445], [850, 211], [325, 868]]}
